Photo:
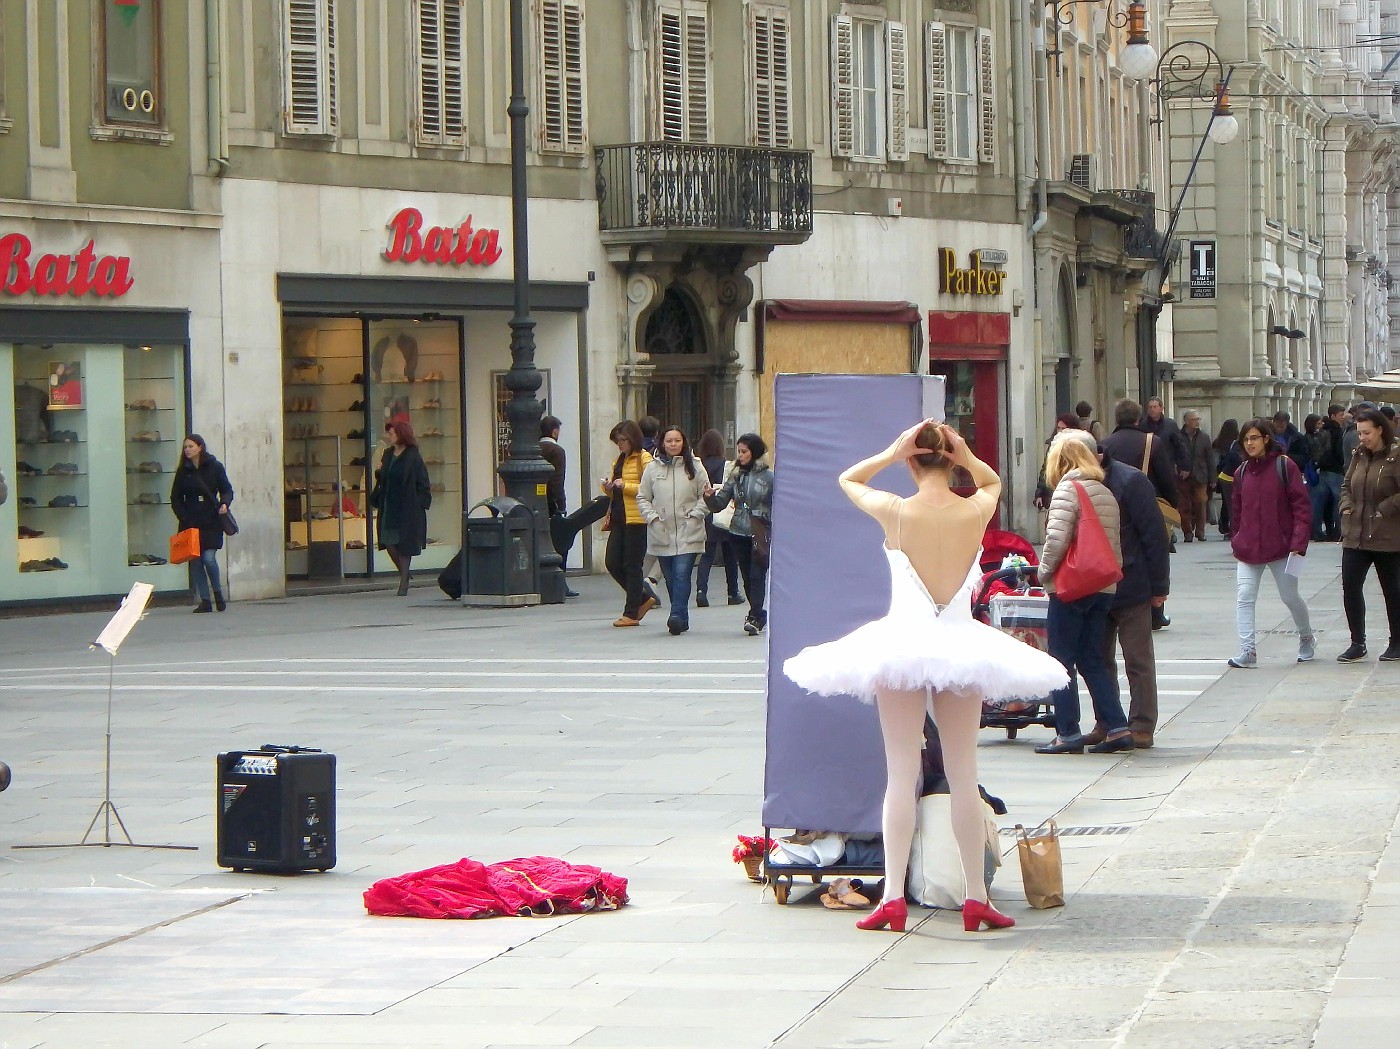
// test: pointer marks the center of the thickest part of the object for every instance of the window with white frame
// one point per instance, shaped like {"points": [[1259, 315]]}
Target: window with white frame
{"points": [[770, 87], [563, 120], [131, 63], [309, 67], [682, 71], [869, 89], [440, 119], [959, 76]]}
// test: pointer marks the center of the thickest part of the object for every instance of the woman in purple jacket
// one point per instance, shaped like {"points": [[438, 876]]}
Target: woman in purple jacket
{"points": [[1270, 518]]}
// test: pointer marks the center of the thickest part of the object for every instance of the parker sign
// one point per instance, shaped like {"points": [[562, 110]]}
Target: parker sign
{"points": [[83, 273]]}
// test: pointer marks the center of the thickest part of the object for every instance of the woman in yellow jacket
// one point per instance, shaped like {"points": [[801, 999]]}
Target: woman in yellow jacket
{"points": [[627, 530]]}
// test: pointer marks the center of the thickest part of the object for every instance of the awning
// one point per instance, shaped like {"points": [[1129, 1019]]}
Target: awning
{"points": [[1380, 385]]}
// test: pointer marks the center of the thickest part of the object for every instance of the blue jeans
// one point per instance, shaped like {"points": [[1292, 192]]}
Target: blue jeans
{"points": [[1327, 505], [677, 571], [1077, 630], [204, 573]]}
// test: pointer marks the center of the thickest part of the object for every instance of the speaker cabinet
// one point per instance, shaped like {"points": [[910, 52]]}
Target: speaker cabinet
{"points": [[276, 809]]}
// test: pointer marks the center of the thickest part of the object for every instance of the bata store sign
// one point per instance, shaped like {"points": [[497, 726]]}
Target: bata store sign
{"points": [[24, 272], [410, 241]]}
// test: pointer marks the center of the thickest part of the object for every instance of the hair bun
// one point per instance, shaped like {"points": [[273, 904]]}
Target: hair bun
{"points": [[930, 438]]}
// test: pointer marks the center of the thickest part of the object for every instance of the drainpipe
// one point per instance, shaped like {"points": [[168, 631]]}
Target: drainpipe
{"points": [[1042, 128], [217, 128], [1019, 64]]}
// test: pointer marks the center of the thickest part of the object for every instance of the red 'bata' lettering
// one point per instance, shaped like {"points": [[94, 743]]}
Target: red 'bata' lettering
{"points": [[442, 245], [55, 275]]}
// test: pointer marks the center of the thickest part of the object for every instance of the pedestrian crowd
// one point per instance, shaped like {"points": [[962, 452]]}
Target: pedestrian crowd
{"points": [[1270, 488], [672, 511]]}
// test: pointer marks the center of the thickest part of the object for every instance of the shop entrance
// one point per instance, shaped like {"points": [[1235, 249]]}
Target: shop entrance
{"points": [[679, 393], [344, 378], [969, 350]]}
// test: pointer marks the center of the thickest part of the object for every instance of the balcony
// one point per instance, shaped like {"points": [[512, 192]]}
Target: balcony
{"points": [[1141, 239], [689, 193]]}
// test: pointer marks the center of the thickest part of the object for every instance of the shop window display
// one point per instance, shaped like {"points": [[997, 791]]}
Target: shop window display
{"points": [[343, 381], [94, 430]]}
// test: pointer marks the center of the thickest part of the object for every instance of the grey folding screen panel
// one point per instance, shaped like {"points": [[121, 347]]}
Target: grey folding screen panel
{"points": [[825, 764]]}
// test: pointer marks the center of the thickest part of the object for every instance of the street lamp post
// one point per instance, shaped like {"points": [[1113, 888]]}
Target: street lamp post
{"points": [[1183, 71], [525, 471]]}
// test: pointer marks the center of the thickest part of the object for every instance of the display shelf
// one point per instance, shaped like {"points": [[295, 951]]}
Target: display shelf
{"points": [[149, 378], [45, 506]]}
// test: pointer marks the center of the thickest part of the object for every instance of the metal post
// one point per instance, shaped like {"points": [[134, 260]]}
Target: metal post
{"points": [[525, 471]]}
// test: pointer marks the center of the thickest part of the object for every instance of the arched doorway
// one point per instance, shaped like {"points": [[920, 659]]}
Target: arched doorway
{"points": [[678, 393]]}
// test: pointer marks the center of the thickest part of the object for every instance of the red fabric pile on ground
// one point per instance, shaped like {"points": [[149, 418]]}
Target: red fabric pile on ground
{"points": [[529, 887]]}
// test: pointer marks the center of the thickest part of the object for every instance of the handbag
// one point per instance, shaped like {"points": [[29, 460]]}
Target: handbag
{"points": [[723, 518], [226, 519], [1089, 565], [762, 533], [1042, 873], [1170, 512], [184, 546], [935, 877]]}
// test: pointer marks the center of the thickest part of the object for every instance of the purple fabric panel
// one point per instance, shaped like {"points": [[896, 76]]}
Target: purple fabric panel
{"points": [[825, 767]]}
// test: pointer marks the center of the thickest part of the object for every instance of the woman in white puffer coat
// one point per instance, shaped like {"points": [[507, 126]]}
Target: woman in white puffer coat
{"points": [[671, 499]]}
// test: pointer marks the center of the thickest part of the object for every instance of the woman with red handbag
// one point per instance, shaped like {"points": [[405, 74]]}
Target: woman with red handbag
{"points": [[1079, 569]]}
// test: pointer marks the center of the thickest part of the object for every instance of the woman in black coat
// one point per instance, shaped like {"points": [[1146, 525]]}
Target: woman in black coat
{"points": [[401, 497], [199, 496]]}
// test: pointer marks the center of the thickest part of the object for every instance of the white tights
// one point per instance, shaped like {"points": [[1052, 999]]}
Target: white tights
{"points": [[958, 716]]}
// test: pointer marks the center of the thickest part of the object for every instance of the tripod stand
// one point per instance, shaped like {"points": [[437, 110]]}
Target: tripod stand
{"points": [[132, 607]]}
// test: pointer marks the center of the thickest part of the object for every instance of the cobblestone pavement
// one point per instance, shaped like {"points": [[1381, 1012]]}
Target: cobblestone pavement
{"points": [[1234, 886]]}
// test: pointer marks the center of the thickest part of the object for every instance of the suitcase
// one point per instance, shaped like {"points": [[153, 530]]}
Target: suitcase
{"points": [[450, 578], [276, 809]]}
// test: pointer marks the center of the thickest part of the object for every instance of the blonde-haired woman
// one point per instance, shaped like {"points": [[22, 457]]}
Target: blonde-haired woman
{"points": [[1077, 628], [928, 643]]}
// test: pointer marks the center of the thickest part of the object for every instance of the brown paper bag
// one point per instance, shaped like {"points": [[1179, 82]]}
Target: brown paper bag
{"points": [[1041, 870]]}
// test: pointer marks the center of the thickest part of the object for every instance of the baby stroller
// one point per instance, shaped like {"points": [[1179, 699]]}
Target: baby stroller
{"points": [[1009, 598]]}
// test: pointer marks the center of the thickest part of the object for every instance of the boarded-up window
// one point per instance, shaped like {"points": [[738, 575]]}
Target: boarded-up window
{"points": [[682, 64], [441, 120], [563, 120], [309, 63], [770, 88]]}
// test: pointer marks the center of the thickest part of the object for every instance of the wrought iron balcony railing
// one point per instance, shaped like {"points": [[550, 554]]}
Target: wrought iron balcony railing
{"points": [[684, 190], [1141, 238]]}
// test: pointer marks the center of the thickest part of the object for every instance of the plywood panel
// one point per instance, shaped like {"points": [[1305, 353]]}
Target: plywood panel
{"points": [[827, 348]]}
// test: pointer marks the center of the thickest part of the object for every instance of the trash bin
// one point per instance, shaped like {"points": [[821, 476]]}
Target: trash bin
{"points": [[500, 560]]}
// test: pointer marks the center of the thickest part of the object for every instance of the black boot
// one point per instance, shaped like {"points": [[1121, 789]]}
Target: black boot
{"points": [[219, 603], [204, 606]]}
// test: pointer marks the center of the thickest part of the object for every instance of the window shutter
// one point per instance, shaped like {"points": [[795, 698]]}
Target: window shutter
{"points": [[936, 73], [897, 93], [770, 121], [670, 74], [309, 61], [697, 73], [843, 117], [987, 99], [562, 121], [440, 101]]}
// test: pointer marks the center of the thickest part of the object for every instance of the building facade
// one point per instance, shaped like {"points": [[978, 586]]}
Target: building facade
{"points": [[1295, 305]]}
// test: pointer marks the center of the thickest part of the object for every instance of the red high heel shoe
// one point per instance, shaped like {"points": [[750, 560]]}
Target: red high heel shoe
{"points": [[976, 914], [894, 914]]}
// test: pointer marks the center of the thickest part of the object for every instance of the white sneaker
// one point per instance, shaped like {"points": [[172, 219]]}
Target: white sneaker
{"points": [[1246, 660], [1307, 648]]}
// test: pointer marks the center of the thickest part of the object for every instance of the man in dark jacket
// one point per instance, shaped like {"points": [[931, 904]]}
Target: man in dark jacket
{"points": [[1157, 422], [1143, 589], [555, 495], [1127, 444], [1331, 468], [1292, 441]]}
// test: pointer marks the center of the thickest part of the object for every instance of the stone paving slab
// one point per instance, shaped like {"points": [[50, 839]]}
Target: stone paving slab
{"points": [[1246, 830]]}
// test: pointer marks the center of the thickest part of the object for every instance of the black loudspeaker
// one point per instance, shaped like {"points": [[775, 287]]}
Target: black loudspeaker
{"points": [[276, 809]]}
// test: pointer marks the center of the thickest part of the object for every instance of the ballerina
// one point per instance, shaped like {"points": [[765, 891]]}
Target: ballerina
{"points": [[928, 641]]}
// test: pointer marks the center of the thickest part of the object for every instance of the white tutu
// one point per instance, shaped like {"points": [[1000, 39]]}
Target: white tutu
{"points": [[917, 645]]}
